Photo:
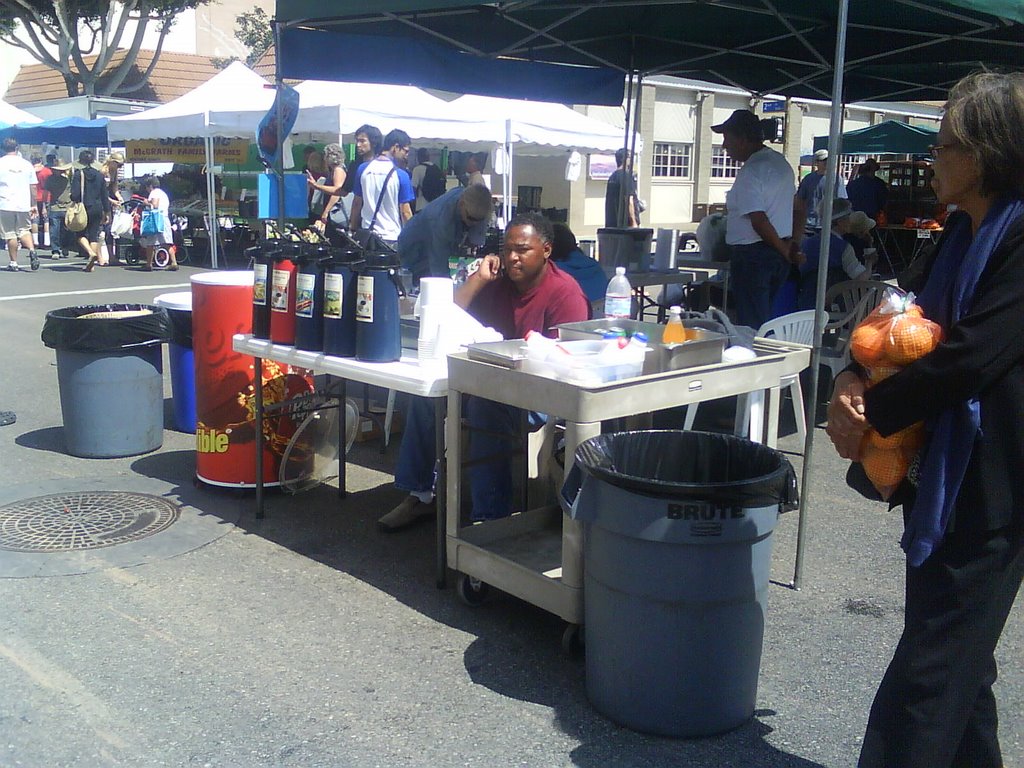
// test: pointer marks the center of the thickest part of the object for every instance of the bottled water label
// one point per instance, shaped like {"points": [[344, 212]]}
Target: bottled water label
{"points": [[617, 306]]}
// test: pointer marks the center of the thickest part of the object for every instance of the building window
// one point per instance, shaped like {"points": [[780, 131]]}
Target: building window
{"points": [[671, 161], [723, 166]]}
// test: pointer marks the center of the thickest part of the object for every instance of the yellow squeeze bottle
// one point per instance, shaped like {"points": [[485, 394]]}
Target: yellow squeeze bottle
{"points": [[674, 332]]}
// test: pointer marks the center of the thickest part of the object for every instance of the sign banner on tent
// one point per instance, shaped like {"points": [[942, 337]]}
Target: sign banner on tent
{"points": [[186, 150], [284, 109]]}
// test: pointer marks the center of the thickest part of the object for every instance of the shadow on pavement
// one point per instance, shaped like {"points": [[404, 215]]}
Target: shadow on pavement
{"points": [[46, 439]]}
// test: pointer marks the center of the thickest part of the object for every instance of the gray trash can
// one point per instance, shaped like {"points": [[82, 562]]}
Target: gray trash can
{"points": [[677, 548], [110, 374]]}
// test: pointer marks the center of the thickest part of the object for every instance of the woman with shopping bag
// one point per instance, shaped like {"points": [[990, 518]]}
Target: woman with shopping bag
{"points": [[155, 228]]}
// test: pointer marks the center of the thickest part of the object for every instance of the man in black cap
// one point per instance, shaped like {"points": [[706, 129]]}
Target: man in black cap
{"points": [[759, 219]]}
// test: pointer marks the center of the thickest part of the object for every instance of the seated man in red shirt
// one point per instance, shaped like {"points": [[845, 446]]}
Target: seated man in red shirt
{"points": [[519, 292]]}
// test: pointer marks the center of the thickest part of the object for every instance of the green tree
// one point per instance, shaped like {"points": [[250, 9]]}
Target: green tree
{"points": [[62, 33], [255, 33]]}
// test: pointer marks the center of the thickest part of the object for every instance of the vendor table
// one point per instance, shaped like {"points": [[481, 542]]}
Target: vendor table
{"points": [[639, 281], [536, 554], [406, 375]]}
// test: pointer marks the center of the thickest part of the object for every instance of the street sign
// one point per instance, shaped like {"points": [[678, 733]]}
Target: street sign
{"points": [[773, 106]]}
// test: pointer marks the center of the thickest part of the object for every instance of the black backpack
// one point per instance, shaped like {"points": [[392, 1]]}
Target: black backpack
{"points": [[434, 183]]}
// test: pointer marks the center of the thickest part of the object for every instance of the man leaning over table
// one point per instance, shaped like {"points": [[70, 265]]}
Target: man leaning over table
{"points": [[460, 216], [759, 218], [519, 292]]}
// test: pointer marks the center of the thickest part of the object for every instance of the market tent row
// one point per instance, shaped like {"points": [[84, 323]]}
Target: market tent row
{"points": [[10, 115], [70, 131], [831, 49], [466, 123], [228, 105], [890, 137]]}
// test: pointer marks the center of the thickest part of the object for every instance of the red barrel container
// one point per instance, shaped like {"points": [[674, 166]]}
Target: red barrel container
{"points": [[225, 395]]}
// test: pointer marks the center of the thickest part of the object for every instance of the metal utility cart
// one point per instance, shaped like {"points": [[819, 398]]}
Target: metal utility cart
{"points": [[536, 555]]}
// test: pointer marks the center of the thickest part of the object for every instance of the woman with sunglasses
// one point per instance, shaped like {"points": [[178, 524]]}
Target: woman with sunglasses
{"points": [[963, 501]]}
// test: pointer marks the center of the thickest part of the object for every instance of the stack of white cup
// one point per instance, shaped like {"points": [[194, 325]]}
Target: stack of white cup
{"points": [[436, 295]]}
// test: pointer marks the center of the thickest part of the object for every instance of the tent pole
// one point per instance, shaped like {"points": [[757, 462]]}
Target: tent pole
{"points": [[819, 304], [279, 165], [620, 207], [632, 145], [506, 209], [211, 202]]}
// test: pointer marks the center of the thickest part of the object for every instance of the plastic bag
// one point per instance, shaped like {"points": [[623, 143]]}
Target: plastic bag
{"points": [[711, 237], [894, 334], [152, 223], [122, 224]]}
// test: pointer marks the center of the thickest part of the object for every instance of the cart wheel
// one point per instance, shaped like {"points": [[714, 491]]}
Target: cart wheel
{"points": [[574, 639], [161, 257], [472, 592]]}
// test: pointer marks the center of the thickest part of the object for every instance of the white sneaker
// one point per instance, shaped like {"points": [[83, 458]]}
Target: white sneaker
{"points": [[13, 267]]}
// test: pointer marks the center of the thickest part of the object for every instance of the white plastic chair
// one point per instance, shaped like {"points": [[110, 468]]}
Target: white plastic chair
{"points": [[797, 327]]}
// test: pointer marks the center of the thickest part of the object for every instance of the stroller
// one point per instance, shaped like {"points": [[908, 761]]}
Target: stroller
{"points": [[127, 245]]}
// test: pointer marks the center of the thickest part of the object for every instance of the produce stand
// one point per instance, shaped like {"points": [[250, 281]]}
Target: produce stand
{"points": [[536, 555], [406, 375]]}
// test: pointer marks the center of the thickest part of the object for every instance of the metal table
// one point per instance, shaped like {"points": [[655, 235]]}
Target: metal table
{"points": [[406, 375], [536, 555]]}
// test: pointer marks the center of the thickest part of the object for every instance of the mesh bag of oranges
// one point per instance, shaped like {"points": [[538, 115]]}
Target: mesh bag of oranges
{"points": [[894, 334]]}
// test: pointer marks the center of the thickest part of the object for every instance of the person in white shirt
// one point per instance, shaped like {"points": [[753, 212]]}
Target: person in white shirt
{"points": [[381, 180], [759, 218], [17, 203]]}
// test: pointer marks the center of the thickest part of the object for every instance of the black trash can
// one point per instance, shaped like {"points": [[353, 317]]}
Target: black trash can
{"points": [[628, 247], [677, 550], [110, 373]]}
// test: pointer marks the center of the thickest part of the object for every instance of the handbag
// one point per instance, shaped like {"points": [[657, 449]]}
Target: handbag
{"points": [[339, 213], [152, 223], [76, 218]]}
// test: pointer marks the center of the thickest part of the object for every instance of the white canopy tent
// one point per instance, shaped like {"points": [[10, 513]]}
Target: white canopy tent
{"points": [[228, 105], [473, 123], [9, 115]]}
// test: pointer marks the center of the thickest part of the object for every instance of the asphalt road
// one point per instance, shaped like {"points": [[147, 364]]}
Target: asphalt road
{"points": [[309, 639]]}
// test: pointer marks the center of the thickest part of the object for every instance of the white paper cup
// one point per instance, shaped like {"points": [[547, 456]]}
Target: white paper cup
{"points": [[436, 290]]}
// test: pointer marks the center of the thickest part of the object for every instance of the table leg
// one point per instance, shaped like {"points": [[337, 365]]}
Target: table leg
{"points": [[772, 398], [258, 384], [572, 530], [342, 434], [441, 490]]}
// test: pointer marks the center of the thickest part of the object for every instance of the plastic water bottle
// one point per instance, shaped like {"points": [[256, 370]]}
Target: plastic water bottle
{"points": [[618, 296]]}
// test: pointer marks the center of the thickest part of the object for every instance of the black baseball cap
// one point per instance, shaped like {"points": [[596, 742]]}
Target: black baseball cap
{"points": [[741, 121]]}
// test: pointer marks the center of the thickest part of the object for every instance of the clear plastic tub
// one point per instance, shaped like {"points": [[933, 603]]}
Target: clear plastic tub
{"points": [[587, 363]]}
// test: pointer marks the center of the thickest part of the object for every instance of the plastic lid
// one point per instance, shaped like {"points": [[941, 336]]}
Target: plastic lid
{"points": [[620, 270], [675, 310]]}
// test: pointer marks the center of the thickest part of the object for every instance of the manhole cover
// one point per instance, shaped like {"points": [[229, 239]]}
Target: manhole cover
{"points": [[63, 522]]}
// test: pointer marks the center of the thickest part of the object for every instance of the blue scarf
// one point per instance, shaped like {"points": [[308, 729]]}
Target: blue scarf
{"points": [[946, 298]]}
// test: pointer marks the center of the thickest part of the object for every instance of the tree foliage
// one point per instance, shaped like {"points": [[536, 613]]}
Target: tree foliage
{"points": [[255, 33], [62, 34]]}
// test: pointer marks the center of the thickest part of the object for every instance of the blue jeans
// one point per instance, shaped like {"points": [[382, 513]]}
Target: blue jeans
{"points": [[757, 271], [490, 481], [56, 231]]}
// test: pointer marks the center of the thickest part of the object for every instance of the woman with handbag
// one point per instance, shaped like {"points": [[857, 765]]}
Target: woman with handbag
{"points": [[89, 187], [963, 501], [155, 230], [334, 214]]}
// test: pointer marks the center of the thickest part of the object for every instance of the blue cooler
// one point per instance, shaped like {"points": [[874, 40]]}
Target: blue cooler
{"points": [[179, 351]]}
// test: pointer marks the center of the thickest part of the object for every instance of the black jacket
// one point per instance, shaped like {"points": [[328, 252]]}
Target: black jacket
{"points": [[95, 197], [983, 357]]}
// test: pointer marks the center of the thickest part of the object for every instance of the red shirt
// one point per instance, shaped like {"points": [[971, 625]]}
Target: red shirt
{"points": [[557, 299], [42, 196]]}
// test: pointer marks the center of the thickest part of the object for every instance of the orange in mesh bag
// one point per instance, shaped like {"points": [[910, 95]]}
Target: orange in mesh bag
{"points": [[894, 334]]}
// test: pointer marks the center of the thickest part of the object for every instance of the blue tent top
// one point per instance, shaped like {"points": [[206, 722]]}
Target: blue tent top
{"points": [[68, 131]]}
